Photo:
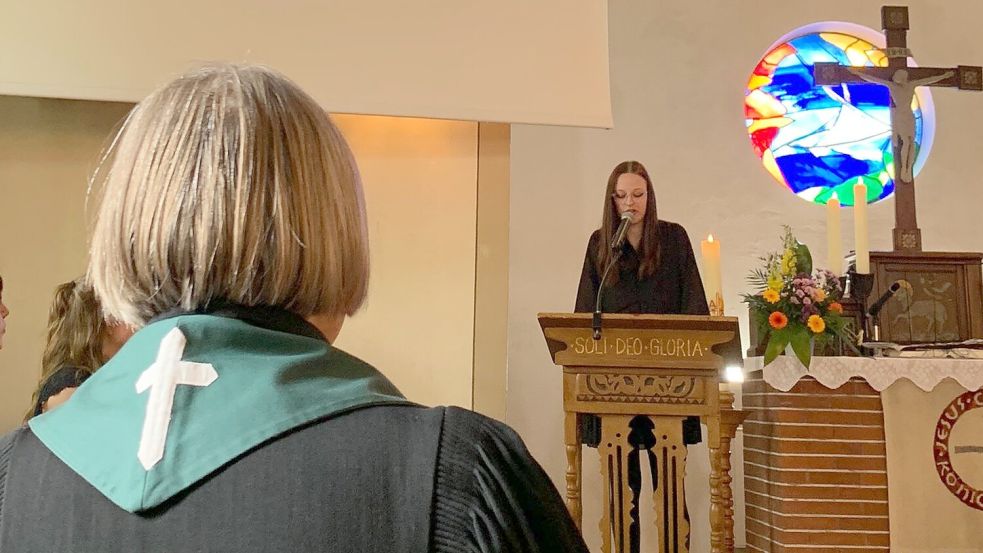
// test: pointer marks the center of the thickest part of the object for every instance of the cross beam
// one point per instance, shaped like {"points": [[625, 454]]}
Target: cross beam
{"points": [[901, 81]]}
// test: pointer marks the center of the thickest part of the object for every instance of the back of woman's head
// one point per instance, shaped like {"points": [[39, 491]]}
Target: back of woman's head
{"points": [[229, 183], [75, 330]]}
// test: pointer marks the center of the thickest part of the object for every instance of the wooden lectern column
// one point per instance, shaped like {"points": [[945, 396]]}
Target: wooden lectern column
{"points": [[665, 368]]}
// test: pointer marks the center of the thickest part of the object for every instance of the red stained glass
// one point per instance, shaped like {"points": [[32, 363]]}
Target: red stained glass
{"points": [[762, 138]]}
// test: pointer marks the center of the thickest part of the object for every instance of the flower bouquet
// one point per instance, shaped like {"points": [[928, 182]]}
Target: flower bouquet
{"points": [[795, 305]]}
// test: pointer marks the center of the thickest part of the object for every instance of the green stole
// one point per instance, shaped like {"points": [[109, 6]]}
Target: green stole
{"points": [[266, 381]]}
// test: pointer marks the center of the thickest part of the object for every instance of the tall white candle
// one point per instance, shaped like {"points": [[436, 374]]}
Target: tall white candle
{"points": [[710, 249], [860, 235], [834, 248]]}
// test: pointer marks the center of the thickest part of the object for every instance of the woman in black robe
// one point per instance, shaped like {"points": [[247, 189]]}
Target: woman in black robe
{"points": [[655, 274]]}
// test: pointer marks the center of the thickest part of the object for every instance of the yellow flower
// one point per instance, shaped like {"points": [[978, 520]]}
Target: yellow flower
{"points": [[816, 324], [788, 263], [770, 296], [819, 295], [775, 282]]}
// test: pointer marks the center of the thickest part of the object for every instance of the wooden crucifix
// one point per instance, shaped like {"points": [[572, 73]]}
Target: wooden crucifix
{"points": [[901, 81]]}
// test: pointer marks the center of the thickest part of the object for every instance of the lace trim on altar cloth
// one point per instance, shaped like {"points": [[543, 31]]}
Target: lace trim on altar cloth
{"points": [[880, 372]]}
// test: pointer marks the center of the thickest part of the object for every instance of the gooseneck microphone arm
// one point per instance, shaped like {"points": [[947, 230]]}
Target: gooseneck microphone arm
{"points": [[875, 308], [596, 323], [617, 244]]}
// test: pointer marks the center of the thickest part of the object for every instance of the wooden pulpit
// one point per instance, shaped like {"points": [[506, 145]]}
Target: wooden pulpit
{"points": [[665, 368]]}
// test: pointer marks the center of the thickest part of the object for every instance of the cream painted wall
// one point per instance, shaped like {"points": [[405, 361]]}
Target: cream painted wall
{"points": [[491, 296], [47, 150], [421, 193], [678, 71], [504, 61]]}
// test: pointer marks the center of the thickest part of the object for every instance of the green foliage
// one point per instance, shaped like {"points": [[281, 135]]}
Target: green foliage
{"points": [[803, 299], [803, 259], [801, 339], [776, 345]]}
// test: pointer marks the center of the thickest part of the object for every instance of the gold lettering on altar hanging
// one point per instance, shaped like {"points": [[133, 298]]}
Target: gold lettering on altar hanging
{"points": [[686, 390]]}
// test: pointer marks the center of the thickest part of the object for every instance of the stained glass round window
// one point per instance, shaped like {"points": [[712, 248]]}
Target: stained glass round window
{"points": [[818, 140]]}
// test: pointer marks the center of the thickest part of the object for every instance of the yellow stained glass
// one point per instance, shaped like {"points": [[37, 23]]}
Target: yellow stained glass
{"points": [[758, 81], [766, 105], [877, 57], [857, 50], [759, 124]]}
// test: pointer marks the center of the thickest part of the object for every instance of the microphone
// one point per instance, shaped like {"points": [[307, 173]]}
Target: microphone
{"points": [[622, 233], [616, 243], [876, 307]]}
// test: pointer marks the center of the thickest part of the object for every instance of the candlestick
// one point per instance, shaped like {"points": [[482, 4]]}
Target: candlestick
{"points": [[710, 249], [861, 245], [834, 251]]}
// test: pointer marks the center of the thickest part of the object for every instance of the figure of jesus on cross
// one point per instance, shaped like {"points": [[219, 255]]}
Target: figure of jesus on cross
{"points": [[902, 118], [901, 81]]}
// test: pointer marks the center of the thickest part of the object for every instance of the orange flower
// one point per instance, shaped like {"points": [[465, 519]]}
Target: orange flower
{"points": [[816, 324], [836, 307], [777, 320]]}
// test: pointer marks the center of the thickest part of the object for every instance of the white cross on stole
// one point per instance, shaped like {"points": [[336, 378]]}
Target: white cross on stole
{"points": [[162, 378]]}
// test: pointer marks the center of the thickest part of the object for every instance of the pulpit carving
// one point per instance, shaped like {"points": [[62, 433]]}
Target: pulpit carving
{"points": [[640, 388]]}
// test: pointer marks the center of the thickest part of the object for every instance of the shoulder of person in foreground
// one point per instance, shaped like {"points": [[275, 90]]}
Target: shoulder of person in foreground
{"points": [[492, 496], [7, 442]]}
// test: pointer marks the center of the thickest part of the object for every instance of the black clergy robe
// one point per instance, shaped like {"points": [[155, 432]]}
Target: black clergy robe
{"points": [[379, 478], [674, 288]]}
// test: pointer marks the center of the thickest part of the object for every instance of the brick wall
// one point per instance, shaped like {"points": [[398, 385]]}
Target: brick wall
{"points": [[814, 468]]}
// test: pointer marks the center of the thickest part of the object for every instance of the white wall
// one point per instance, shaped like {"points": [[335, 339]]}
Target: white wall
{"points": [[678, 71]]}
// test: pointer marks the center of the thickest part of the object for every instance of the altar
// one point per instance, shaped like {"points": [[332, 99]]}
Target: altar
{"points": [[864, 454]]}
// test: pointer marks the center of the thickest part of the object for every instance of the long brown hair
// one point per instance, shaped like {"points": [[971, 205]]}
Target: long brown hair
{"points": [[75, 332], [648, 248]]}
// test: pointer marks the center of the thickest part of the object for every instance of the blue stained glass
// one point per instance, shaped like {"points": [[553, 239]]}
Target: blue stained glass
{"points": [[817, 140]]}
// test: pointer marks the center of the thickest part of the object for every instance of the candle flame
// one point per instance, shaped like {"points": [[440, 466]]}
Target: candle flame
{"points": [[710, 238]]}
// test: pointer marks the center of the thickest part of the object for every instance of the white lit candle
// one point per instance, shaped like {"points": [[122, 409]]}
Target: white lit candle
{"points": [[710, 249], [862, 246], [834, 251]]}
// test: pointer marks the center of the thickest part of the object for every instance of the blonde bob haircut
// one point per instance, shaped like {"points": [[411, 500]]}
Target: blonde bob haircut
{"points": [[229, 183]]}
